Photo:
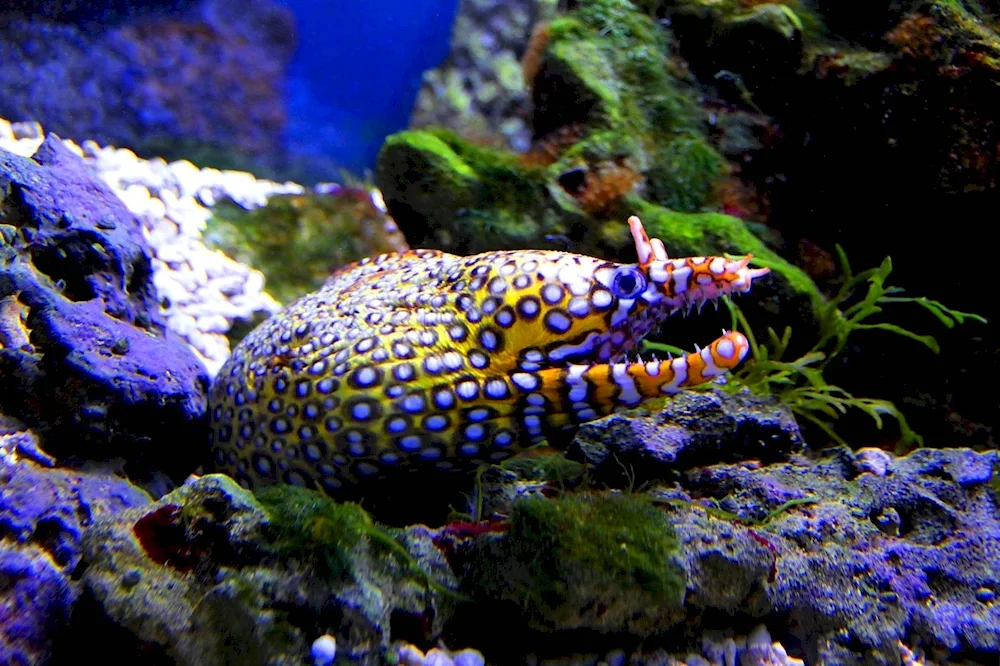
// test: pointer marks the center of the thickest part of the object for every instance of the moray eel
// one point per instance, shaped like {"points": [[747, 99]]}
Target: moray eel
{"points": [[427, 360]]}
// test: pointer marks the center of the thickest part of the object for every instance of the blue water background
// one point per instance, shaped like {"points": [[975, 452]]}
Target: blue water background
{"points": [[357, 71]]}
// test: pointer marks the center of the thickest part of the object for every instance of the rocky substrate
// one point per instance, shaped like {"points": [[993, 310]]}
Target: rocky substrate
{"points": [[203, 291], [835, 558]]}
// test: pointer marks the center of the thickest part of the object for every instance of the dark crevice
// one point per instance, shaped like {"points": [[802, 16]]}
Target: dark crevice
{"points": [[61, 264]]}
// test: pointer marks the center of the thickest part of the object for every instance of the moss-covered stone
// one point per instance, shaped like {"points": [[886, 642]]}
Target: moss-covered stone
{"points": [[209, 574], [615, 73], [605, 79], [328, 534], [700, 234], [604, 562], [681, 178], [446, 192], [550, 466]]}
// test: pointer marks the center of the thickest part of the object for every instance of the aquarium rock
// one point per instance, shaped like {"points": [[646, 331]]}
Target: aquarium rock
{"points": [[220, 575], [802, 539], [81, 325], [690, 429], [203, 290], [43, 513]]}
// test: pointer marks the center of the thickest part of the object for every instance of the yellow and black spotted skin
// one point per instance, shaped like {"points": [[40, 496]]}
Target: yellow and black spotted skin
{"points": [[426, 360]]}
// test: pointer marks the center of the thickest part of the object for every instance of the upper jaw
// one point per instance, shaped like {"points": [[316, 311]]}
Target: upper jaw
{"points": [[689, 281]]}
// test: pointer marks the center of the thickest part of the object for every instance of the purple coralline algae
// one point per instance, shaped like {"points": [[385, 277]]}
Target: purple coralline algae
{"points": [[43, 512], [857, 560], [81, 326]]}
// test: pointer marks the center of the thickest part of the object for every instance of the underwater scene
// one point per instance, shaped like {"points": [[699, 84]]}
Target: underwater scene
{"points": [[499, 332]]}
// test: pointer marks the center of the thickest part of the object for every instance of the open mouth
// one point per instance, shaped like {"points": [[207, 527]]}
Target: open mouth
{"points": [[676, 286]]}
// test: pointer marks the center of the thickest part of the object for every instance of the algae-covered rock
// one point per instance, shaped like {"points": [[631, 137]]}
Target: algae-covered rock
{"points": [[617, 132], [875, 120], [448, 193], [841, 554], [297, 241], [608, 112], [605, 562], [209, 574]]}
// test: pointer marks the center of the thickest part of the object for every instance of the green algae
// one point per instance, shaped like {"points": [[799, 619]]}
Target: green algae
{"points": [[327, 534], [618, 55], [798, 15], [553, 467], [297, 241], [564, 556], [701, 234], [307, 525], [450, 193], [682, 176]]}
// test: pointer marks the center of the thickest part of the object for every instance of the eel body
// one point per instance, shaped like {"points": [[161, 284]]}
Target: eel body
{"points": [[430, 360]]}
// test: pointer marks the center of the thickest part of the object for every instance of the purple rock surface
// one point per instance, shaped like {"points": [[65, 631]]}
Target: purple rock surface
{"points": [[853, 560], [82, 332], [692, 428], [43, 513]]}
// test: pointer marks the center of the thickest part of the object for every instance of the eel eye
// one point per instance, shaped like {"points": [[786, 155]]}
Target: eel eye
{"points": [[628, 282]]}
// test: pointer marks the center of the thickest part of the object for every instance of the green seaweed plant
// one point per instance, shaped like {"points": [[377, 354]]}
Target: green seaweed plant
{"points": [[800, 384]]}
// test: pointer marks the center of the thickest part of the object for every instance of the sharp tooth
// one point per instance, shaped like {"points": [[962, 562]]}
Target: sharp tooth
{"points": [[697, 349]]}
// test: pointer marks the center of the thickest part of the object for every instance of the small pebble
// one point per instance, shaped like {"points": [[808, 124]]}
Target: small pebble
{"points": [[469, 657], [27, 130], [131, 578], [872, 460], [410, 655], [438, 657], [324, 649], [616, 658], [985, 595]]}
